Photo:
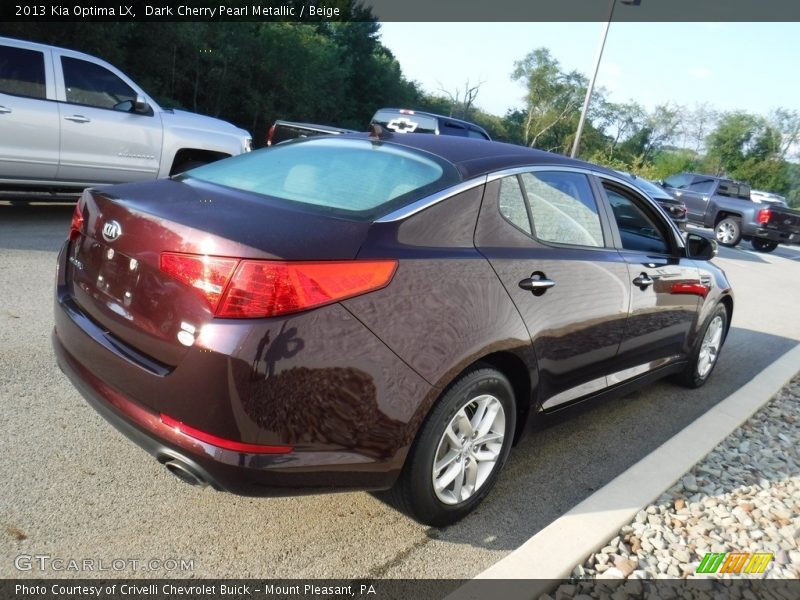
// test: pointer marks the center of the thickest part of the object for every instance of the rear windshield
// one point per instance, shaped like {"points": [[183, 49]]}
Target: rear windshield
{"points": [[352, 176], [406, 122]]}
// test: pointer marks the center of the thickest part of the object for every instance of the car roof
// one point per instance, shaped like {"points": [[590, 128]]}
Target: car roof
{"points": [[474, 157]]}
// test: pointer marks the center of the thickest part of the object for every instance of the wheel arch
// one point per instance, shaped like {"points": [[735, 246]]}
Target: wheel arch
{"points": [[185, 155]]}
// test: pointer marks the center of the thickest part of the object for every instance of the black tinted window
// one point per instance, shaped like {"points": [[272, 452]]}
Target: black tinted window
{"points": [[636, 228], [93, 85], [22, 72]]}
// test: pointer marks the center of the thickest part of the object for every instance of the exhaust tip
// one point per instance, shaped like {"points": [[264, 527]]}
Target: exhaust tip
{"points": [[184, 473]]}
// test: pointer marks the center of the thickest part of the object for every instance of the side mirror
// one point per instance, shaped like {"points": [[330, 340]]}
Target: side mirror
{"points": [[700, 248], [140, 105]]}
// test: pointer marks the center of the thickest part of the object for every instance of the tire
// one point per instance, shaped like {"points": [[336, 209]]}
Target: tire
{"points": [[760, 245], [728, 232], [706, 351], [415, 493]]}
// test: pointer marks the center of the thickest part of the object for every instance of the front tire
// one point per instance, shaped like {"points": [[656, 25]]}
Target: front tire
{"points": [[760, 245], [728, 232], [459, 450], [705, 354]]}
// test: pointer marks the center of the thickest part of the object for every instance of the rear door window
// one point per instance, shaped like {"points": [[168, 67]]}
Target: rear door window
{"points": [[22, 72], [511, 203], [563, 208]]}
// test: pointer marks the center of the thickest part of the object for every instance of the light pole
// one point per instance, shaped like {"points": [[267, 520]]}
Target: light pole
{"points": [[576, 144]]}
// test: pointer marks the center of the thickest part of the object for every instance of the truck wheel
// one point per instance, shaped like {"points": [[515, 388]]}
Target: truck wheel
{"points": [[763, 245], [459, 451], [728, 232]]}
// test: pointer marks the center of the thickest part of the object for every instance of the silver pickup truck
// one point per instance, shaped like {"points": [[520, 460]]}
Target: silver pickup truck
{"points": [[70, 121]]}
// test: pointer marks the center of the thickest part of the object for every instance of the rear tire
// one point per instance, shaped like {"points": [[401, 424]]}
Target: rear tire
{"points": [[728, 232], [459, 451], [705, 354], [760, 245]]}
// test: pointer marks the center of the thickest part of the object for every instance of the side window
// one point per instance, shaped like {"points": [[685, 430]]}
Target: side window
{"points": [[636, 228], [563, 208], [679, 181], [93, 85], [22, 72], [702, 185], [511, 203]]}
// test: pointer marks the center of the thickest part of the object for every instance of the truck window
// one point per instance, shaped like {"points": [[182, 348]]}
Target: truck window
{"points": [[22, 72], [90, 84], [702, 185], [679, 181]]}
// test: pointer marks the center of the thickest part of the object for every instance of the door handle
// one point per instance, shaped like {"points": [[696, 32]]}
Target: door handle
{"points": [[4, 110], [643, 281], [537, 283], [78, 119]]}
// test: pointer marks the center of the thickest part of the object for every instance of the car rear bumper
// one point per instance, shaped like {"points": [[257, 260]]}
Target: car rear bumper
{"points": [[293, 473], [349, 422], [775, 235]]}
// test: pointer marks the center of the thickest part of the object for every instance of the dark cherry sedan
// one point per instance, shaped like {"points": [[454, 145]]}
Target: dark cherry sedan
{"points": [[376, 312]]}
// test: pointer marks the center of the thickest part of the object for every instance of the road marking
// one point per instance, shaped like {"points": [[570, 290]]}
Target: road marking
{"points": [[550, 555]]}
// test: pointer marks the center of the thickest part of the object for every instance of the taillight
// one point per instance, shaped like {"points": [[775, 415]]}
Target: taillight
{"points": [[763, 216], [250, 289], [208, 275], [77, 222], [270, 134], [270, 288]]}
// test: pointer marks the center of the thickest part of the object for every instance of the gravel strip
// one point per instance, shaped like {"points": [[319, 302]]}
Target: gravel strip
{"points": [[743, 497]]}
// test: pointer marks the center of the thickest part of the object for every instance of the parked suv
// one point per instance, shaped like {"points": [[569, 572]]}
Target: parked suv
{"points": [[725, 205], [70, 121]]}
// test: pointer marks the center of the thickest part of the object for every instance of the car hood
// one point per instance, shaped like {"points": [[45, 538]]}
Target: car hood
{"points": [[190, 120]]}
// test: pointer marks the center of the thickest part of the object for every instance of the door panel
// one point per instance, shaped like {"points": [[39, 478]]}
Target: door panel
{"points": [[576, 325], [665, 290], [101, 143], [29, 125]]}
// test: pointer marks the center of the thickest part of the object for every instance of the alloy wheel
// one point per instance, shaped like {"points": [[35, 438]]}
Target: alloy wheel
{"points": [[709, 350], [469, 449]]}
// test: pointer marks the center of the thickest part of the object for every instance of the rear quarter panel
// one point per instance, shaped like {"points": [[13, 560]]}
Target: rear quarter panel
{"points": [[445, 308]]}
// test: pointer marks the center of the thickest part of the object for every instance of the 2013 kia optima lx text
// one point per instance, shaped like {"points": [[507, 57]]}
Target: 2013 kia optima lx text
{"points": [[374, 313]]}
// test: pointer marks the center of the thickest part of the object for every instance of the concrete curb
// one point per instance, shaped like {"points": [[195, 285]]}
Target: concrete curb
{"points": [[550, 555]]}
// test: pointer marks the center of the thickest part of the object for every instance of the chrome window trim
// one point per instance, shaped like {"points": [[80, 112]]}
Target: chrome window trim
{"points": [[411, 209]]}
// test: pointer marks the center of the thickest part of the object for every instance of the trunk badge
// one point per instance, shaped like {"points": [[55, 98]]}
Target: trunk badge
{"points": [[111, 231]]}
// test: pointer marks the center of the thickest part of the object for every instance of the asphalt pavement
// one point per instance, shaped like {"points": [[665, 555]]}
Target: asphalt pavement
{"points": [[72, 487]]}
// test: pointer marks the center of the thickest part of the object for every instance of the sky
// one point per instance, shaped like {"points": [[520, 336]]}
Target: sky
{"points": [[732, 66]]}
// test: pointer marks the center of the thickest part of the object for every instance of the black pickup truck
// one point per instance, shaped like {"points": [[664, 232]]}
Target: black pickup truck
{"points": [[725, 206]]}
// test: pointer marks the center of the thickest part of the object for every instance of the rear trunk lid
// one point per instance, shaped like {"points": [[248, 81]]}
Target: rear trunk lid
{"points": [[113, 268]]}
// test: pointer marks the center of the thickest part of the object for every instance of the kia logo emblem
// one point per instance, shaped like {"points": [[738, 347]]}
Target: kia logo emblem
{"points": [[111, 231]]}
